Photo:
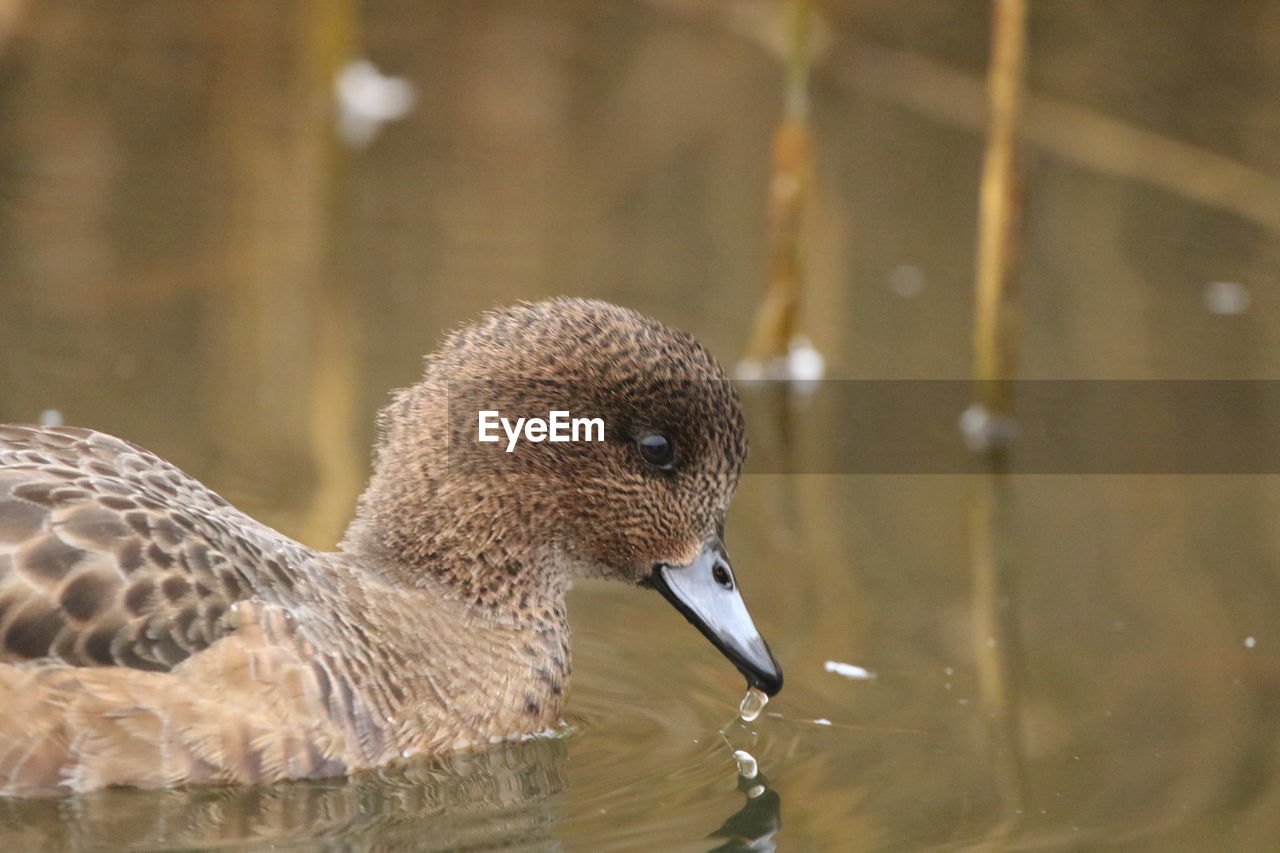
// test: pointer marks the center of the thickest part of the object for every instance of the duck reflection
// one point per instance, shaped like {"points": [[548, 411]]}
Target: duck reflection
{"points": [[753, 826], [498, 797]]}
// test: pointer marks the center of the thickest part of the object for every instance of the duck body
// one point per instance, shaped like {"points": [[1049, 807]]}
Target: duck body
{"points": [[153, 635]]}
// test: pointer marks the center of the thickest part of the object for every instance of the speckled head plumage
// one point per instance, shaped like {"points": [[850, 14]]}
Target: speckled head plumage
{"points": [[597, 507]]}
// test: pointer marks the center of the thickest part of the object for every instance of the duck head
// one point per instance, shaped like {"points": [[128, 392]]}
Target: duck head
{"points": [[637, 491]]}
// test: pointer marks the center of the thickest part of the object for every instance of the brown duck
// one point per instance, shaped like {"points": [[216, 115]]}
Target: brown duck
{"points": [[153, 635]]}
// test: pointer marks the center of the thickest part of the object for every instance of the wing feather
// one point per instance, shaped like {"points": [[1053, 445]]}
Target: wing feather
{"points": [[110, 556]]}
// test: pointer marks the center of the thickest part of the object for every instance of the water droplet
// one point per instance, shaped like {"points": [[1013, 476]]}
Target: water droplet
{"points": [[752, 704], [1250, 642], [755, 791], [747, 768]]}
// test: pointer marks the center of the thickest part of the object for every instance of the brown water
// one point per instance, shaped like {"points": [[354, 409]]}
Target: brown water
{"points": [[189, 259]]}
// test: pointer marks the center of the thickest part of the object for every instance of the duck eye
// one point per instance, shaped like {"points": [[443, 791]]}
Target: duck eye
{"points": [[656, 450], [721, 576]]}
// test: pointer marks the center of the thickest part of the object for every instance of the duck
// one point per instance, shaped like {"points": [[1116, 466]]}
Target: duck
{"points": [[152, 635]]}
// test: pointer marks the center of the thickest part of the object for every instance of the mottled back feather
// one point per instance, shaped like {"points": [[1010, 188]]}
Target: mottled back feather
{"points": [[110, 556]]}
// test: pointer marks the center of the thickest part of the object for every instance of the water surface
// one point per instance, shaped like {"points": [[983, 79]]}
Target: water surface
{"points": [[189, 258]]}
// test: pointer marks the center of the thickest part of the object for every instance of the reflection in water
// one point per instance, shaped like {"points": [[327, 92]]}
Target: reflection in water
{"points": [[996, 640], [503, 796], [753, 826]]}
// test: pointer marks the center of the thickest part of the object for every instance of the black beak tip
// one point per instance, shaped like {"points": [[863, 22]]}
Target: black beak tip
{"points": [[770, 685], [767, 681]]}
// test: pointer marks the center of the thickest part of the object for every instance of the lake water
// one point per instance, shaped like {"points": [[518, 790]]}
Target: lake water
{"points": [[191, 258]]}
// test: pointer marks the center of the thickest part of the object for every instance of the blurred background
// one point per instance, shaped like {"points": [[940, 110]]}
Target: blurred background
{"points": [[228, 229]]}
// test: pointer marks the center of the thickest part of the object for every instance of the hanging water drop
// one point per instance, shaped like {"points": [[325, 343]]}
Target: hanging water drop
{"points": [[752, 704]]}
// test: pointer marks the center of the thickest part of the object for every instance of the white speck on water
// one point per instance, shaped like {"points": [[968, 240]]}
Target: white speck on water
{"points": [[1250, 642], [962, 701], [51, 417], [752, 704], [1227, 297], [948, 670], [848, 670], [822, 721], [946, 685], [906, 281], [804, 363], [754, 791], [803, 366], [983, 430], [368, 99], [747, 767]]}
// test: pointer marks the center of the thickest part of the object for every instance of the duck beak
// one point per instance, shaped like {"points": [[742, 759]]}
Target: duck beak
{"points": [[706, 592]]}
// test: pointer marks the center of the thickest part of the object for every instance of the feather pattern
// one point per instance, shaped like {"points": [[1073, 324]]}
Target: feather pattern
{"points": [[153, 635]]}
